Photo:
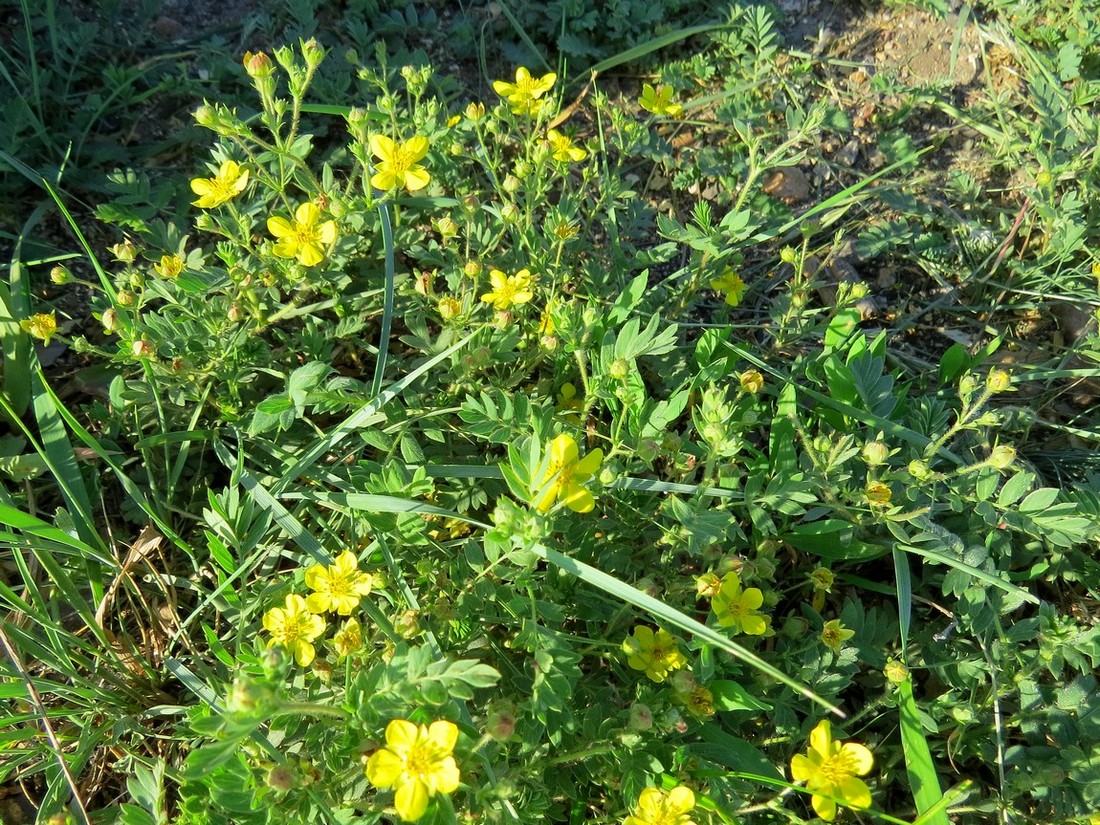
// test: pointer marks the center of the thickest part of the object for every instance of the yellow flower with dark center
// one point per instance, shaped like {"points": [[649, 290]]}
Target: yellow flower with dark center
{"points": [[348, 639], [294, 627], [655, 807], [170, 266], [562, 148], [339, 587], [399, 165], [830, 769], [731, 286], [524, 94], [834, 634], [42, 326], [739, 608], [658, 654], [304, 238], [417, 763], [508, 289], [659, 101], [224, 186], [565, 473]]}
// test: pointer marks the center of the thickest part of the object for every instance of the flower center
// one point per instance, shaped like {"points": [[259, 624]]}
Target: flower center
{"points": [[420, 762], [305, 234], [402, 160], [837, 767]]}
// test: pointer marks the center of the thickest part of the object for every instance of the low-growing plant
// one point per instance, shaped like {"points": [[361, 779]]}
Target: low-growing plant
{"points": [[494, 492]]}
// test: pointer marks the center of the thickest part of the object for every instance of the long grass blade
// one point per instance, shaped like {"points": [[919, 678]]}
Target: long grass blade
{"points": [[919, 766], [631, 595]]}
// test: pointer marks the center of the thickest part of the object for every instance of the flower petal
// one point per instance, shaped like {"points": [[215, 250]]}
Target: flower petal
{"points": [[802, 768], [443, 735], [401, 735], [753, 625], [280, 228], [317, 578], [382, 148], [416, 147], [752, 599], [310, 254], [854, 792], [411, 800], [303, 652], [858, 757], [306, 214], [821, 738], [417, 178], [319, 602], [680, 800], [445, 776], [327, 233], [285, 249], [825, 808], [384, 768], [384, 180]]}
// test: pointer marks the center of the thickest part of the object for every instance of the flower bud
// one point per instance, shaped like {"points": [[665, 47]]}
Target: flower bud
{"points": [[110, 320], [875, 453], [998, 381], [641, 717], [281, 778], [708, 585], [449, 308], [475, 111], [511, 184], [878, 493], [61, 275], [501, 723], [470, 203], [143, 349], [895, 672], [823, 579], [205, 116], [1002, 457], [751, 381], [126, 298], [124, 252], [472, 269], [788, 255], [509, 213], [258, 65], [619, 369], [446, 227], [920, 470], [313, 53]]}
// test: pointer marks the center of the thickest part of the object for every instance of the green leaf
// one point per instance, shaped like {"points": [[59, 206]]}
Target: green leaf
{"points": [[729, 695], [736, 754], [919, 766]]}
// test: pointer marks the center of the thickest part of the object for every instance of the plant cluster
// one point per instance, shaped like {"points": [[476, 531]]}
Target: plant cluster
{"points": [[493, 457]]}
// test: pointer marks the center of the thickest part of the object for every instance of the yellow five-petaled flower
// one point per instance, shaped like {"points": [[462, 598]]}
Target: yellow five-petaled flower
{"points": [[338, 587], [830, 769], [417, 763], [730, 285], [508, 289], [399, 165], [42, 326], [659, 101], [304, 238], [565, 473], [294, 627], [739, 608], [562, 148], [524, 94], [655, 807], [658, 654], [224, 186]]}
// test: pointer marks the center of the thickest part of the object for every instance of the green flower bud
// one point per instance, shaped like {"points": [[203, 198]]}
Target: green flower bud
{"points": [[1002, 457]]}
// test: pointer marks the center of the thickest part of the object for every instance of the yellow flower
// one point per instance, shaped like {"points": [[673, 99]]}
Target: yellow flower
{"points": [[658, 654], [305, 238], [508, 289], [569, 403], [830, 768], [339, 586], [294, 627], [562, 148], [834, 634], [659, 101], [564, 475], [397, 165], [170, 266], [739, 608], [524, 94], [731, 286], [658, 808], [40, 326], [417, 763], [348, 639], [224, 186]]}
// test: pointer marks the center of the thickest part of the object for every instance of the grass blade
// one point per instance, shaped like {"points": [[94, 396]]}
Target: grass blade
{"points": [[631, 595], [918, 760]]}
